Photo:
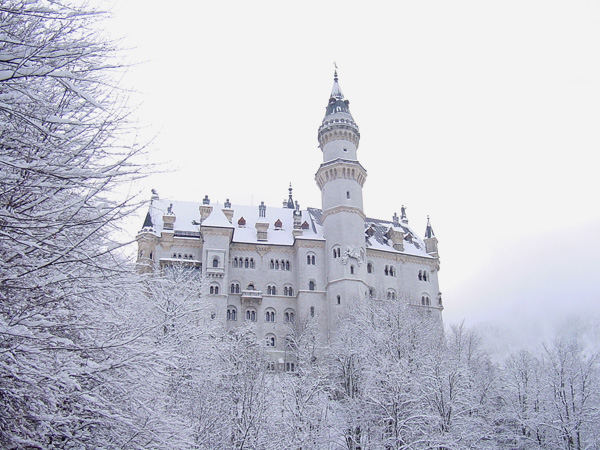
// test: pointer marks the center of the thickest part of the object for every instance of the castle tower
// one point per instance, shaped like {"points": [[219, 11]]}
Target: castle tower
{"points": [[341, 179]]}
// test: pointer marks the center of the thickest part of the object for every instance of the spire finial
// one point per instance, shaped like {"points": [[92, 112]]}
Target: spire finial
{"points": [[290, 202], [335, 75]]}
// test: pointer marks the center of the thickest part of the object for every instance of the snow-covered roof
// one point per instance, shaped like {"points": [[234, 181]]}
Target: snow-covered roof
{"points": [[187, 224]]}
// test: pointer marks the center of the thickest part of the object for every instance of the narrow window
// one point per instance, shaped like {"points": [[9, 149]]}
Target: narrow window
{"points": [[307, 259], [287, 265], [339, 300], [216, 290], [276, 264], [215, 261], [420, 275], [312, 311], [212, 290], [272, 264], [237, 288], [386, 270], [369, 268], [311, 285], [352, 270], [347, 194], [232, 288], [313, 259], [246, 262], [252, 263], [291, 291], [335, 253]]}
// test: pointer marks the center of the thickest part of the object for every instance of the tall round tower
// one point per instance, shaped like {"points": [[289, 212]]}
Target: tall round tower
{"points": [[341, 178]]}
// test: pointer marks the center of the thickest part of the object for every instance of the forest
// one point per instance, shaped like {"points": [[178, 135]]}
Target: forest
{"points": [[96, 354]]}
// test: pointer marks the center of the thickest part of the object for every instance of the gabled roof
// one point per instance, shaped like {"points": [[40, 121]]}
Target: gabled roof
{"points": [[187, 223]]}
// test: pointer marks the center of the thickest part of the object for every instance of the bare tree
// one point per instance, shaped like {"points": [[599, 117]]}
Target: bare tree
{"points": [[63, 358]]}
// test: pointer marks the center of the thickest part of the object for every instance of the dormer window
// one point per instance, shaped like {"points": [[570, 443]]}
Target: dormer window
{"points": [[242, 222], [305, 225], [215, 262], [278, 224]]}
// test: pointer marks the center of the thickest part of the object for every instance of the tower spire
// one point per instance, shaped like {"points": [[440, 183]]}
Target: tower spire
{"points": [[429, 230], [290, 202]]}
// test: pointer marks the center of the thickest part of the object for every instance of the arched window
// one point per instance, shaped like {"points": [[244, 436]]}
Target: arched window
{"points": [[271, 289], [312, 259], [425, 300], [246, 263], [347, 194], [339, 300], [391, 294], [287, 265], [290, 291], [307, 259], [338, 252], [235, 288], [270, 315], [232, 290], [252, 263], [369, 267], [424, 275], [311, 285], [285, 290], [234, 262], [335, 253], [213, 289], [276, 264], [215, 261], [272, 264], [231, 313], [386, 270], [250, 287], [251, 315], [420, 275], [289, 316], [270, 340]]}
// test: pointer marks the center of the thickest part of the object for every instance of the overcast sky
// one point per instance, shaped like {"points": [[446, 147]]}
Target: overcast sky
{"points": [[484, 115]]}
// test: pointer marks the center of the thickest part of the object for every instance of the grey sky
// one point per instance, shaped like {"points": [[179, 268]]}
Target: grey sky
{"points": [[482, 114]]}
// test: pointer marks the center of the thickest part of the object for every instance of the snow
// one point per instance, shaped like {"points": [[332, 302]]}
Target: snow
{"points": [[187, 219], [217, 219]]}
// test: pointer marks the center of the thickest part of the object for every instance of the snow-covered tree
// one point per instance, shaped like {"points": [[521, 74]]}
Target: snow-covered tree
{"points": [[66, 362]]}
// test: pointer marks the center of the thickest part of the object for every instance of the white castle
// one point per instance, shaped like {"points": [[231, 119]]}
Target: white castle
{"points": [[276, 265]]}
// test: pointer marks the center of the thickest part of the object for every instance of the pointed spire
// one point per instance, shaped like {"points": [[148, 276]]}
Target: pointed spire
{"points": [[403, 217], [147, 221], [336, 91], [290, 201], [429, 230]]}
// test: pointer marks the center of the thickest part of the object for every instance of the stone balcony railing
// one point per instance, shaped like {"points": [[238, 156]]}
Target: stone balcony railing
{"points": [[248, 293]]}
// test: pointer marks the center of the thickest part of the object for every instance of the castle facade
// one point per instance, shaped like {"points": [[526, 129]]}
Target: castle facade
{"points": [[278, 265]]}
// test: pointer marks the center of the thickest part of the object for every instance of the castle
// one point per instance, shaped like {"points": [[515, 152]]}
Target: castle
{"points": [[276, 265]]}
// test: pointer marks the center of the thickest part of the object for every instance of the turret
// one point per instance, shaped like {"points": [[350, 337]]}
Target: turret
{"points": [[430, 240]]}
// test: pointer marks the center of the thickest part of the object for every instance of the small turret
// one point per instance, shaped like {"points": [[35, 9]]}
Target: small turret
{"points": [[169, 218], [205, 208], [227, 210], [430, 240]]}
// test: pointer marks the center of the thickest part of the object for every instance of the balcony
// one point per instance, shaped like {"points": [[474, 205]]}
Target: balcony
{"points": [[251, 297]]}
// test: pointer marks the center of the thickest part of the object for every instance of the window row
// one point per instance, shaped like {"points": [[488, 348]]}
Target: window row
{"points": [[390, 271], [310, 259], [289, 316], [337, 252], [288, 367], [277, 264], [423, 275], [184, 256], [234, 288], [243, 263]]}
